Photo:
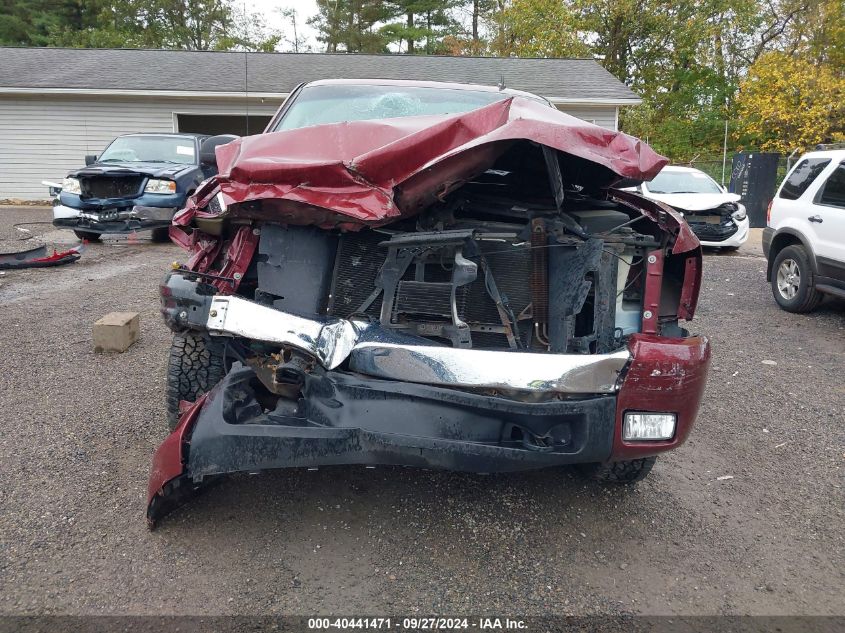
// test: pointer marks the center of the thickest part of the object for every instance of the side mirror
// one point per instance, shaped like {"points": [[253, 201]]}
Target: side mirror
{"points": [[208, 158], [90, 159]]}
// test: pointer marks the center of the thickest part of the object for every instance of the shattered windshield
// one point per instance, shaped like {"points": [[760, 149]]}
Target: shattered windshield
{"points": [[683, 182], [318, 105], [150, 149]]}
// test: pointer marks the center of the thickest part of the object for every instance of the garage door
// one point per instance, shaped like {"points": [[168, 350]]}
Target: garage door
{"points": [[239, 125]]}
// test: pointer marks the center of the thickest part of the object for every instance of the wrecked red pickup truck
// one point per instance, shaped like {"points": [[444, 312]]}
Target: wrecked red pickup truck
{"points": [[429, 275]]}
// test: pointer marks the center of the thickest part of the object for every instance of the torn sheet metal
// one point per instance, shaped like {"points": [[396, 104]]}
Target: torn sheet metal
{"points": [[360, 173]]}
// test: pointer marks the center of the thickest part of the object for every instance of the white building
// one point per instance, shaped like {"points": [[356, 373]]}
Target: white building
{"points": [[57, 105]]}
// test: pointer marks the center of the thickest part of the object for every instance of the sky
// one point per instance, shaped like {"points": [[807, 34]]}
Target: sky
{"points": [[305, 9]]}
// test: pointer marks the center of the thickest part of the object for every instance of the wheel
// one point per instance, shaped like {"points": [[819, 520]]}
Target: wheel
{"points": [[196, 364], [161, 234], [87, 235], [626, 472], [793, 284]]}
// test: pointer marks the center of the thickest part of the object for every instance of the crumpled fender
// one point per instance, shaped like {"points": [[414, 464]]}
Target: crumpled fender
{"points": [[168, 487], [664, 216], [666, 374], [359, 173]]}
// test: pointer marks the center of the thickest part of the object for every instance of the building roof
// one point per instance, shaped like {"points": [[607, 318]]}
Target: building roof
{"points": [[104, 71]]}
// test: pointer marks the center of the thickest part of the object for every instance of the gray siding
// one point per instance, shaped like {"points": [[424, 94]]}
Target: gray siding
{"points": [[604, 116], [44, 137]]}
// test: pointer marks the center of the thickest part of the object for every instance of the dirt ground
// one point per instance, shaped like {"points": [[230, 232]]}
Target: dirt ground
{"points": [[79, 430]]}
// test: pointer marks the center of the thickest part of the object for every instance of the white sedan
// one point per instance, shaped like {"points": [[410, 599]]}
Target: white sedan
{"points": [[715, 216]]}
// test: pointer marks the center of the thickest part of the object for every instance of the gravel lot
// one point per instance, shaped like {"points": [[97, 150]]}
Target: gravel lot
{"points": [[80, 428]]}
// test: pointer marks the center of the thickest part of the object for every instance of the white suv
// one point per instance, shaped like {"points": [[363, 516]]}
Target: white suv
{"points": [[804, 242]]}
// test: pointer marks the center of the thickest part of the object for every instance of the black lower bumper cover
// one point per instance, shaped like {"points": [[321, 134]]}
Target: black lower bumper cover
{"points": [[115, 226], [345, 418], [714, 232]]}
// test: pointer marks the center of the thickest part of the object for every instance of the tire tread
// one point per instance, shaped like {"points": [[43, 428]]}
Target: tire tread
{"points": [[623, 472], [194, 366]]}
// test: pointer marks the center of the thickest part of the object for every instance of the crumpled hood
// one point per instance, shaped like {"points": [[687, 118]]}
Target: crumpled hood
{"points": [[152, 170], [374, 172], [694, 201]]}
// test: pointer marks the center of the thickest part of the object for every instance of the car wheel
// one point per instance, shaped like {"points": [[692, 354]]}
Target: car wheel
{"points": [[793, 285], [161, 234], [87, 235], [626, 472], [196, 364]]}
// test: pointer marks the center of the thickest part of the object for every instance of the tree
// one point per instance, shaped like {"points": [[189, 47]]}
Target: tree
{"points": [[38, 22], [350, 25], [297, 42], [538, 28], [425, 25], [178, 24], [790, 102]]}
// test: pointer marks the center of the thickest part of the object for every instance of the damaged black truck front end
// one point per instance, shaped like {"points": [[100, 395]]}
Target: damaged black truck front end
{"points": [[515, 319]]}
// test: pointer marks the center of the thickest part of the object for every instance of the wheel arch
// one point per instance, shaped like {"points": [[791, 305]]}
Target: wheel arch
{"points": [[784, 238]]}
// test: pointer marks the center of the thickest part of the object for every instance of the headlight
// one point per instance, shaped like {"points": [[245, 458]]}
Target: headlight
{"points": [[739, 214], [71, 185], [648, 426], [160, 186]]}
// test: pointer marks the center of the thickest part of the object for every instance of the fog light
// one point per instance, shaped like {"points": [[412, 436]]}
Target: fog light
{"points": [[648, 426]]}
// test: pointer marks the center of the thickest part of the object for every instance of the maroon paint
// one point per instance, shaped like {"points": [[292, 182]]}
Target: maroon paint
{"points": [[691, 286], [665, 375], [361, 173], [238, 256], [206, 250], [665, 216], [169, 458], [651, 294]]}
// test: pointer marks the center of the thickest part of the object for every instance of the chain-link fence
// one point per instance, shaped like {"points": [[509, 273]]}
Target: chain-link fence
{"points": [[714, 168]]}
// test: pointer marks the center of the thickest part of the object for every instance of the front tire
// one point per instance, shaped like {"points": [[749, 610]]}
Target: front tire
{"points": [[88, 235], [161, 234], [626, 472], [793, 282], [196, 363]]}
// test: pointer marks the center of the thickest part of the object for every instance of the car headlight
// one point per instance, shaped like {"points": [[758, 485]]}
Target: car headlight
{"points": [[71, 185], [155, 185], [739, 214]]}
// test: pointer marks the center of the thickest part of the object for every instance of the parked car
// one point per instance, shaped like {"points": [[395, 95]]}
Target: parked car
{"points": [[137, 183], [804, 241], [717, 217], [433, 275]]}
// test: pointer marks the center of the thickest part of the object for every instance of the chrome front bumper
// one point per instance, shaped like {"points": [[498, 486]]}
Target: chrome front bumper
{"points": [[382, 353], [141, 213]]}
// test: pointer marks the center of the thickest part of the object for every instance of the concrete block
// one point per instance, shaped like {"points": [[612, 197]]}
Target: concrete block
{"points": [[116, 332]]}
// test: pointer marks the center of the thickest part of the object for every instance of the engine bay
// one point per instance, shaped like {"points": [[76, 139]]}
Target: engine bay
{"points": [[472, 272]]}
